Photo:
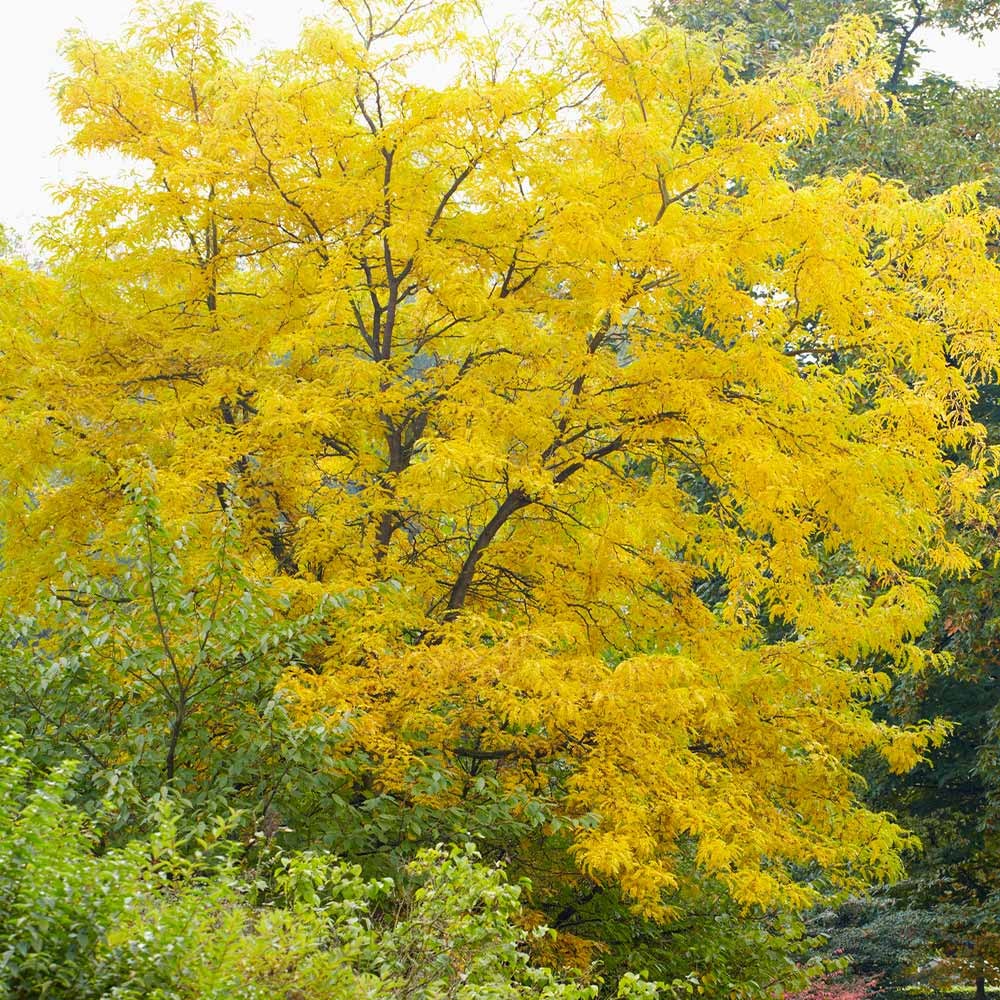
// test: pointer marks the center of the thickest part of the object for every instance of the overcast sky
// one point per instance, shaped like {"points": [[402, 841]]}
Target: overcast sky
{"points": [[32, 30]]}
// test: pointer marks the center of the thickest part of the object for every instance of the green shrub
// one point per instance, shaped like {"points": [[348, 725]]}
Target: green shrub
{"points": [[175, 919]]}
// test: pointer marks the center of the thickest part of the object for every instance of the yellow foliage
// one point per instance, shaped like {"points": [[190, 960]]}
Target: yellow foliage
{"points": [[560, 949], [628, 448]]}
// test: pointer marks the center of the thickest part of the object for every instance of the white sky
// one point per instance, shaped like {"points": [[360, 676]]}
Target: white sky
{"points": [[28, 56]]}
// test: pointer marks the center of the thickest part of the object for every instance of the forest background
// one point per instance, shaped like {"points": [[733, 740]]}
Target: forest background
{"points": [[390, 466]]}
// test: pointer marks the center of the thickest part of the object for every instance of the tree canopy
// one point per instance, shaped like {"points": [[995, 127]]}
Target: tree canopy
{"points": [[629, 455]]}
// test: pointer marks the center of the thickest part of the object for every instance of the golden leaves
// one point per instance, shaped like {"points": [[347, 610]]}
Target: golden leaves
{"points": [[629, 448]]}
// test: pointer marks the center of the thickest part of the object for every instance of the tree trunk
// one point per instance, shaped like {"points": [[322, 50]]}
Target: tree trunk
{"points": [[980, 988]]}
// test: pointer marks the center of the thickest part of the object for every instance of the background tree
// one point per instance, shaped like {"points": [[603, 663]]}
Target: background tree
{"points": [[941, 133], [951, 896]]}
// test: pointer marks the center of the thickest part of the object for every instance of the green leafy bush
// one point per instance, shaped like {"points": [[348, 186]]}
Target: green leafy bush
{"points": [[175, 917]]}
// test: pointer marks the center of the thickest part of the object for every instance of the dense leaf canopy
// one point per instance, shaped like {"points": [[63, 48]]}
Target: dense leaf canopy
{"points": [[629, 448]]}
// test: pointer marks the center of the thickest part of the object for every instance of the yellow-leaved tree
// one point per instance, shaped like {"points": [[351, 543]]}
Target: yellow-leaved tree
{"points": [[633, 454]]}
